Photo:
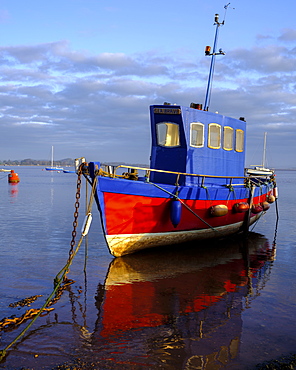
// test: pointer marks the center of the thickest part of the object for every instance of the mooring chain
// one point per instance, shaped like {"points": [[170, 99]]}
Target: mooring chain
{"points": [[9, 323], [76, 213], [61, 276]]}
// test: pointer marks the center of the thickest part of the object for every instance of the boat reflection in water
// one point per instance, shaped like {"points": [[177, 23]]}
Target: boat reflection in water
{"points": [[179, 309]]}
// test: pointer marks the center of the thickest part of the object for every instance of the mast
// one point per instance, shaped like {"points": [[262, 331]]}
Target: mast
{"points": [[264, 150], [213, 54], [52, 156]]}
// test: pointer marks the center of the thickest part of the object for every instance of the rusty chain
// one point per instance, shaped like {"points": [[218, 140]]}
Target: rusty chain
{"points": [[76, 213], [10, 323], [58, 288]]}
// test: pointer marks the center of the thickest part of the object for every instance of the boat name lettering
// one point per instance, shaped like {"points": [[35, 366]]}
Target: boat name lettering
{"points": [[167, 110]]}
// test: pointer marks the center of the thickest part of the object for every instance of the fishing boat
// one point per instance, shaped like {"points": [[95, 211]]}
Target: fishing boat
{"points": [[195, 187], [52, 167], [261, 170]]}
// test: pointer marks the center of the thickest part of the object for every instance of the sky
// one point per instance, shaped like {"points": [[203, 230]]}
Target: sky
{"points": [[81, 74]]}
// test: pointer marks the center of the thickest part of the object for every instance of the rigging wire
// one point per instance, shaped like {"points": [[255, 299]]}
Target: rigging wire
{"points": [[226, 8]]}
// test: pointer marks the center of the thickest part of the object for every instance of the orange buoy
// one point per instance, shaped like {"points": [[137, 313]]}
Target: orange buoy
{"points": [[13, 177], [241, 207], [219, 210], [265, 206], [270, 198], [257, 208]]}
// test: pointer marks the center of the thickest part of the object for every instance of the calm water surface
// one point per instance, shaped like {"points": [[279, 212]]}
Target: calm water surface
{"points": [[224, 305]]}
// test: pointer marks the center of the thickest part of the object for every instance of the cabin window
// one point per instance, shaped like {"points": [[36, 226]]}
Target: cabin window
{"points": [[239, 141], [168, 134], [197, 134], [228, 138], [214, 136]]}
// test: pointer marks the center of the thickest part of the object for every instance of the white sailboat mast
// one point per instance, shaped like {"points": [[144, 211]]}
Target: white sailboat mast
{"points": [[264, 150], [52, 156]]}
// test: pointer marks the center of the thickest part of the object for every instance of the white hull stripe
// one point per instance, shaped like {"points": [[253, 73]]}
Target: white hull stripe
{"points": [[122, 244]]}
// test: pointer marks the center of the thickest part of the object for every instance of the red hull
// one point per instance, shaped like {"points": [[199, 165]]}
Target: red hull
{"points": [[132, 214]]}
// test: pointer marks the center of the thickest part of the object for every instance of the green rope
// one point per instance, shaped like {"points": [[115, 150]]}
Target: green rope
{"points": [[66, 267], [231, 190], [207, 191], [57, 281], [57, 285]]}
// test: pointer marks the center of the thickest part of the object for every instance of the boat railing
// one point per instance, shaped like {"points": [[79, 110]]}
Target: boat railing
{"points": [[132, 174]]}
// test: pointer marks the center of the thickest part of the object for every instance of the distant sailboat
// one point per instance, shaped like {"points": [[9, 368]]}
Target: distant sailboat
{"points": [[52, 167], [261, 170]]}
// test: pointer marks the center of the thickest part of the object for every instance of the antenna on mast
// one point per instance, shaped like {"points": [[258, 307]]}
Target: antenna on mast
{"points": [[226, 7], [213, 55]]}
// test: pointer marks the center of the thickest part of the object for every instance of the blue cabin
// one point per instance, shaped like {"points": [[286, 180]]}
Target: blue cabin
{"points": [[190, 140]]}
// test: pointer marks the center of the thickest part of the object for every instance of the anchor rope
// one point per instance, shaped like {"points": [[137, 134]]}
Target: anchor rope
{"points": [[61, 276], [185, 205], [73, 252], [208, 193], [231, 190]]}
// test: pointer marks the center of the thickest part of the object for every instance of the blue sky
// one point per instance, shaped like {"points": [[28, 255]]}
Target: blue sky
{"points": [[81, 74]]}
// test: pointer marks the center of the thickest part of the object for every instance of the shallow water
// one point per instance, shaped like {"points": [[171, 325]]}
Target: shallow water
{"points": [[223, 305]]}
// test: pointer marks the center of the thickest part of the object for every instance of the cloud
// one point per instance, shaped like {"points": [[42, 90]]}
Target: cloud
{"points": [[97, 105], [288, 35], [263, 60]]}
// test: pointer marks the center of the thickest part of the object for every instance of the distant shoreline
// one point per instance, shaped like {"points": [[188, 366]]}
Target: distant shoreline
{"points": [[33, 162], [68, 163]]}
